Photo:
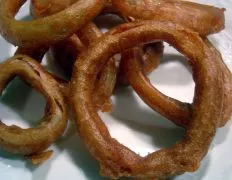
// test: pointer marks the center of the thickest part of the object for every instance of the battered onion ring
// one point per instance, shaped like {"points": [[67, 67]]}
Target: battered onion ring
{"points": [[115, 159], [66, 52], [105, 85], [37, 54], [41, 8], [174, 110], [88, 34], [227, 77], [33, 140], [150, 58], [201, 18], [48, 30]]}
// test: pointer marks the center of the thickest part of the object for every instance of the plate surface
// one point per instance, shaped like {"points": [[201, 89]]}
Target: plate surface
{"points": [[132, 122]]}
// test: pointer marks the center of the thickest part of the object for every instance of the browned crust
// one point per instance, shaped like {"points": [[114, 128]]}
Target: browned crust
{"points": [[33, 140], [48, 30], [115, 159], [201, 18]]}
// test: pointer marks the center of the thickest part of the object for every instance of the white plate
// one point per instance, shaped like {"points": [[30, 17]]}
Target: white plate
{"points": [[132, 122]]}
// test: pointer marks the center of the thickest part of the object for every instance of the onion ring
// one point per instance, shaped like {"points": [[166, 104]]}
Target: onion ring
{"points": [[37, 54], [201, 18], [105, 85], [48, 30], [227, 77], [43, 8], [33, 140], [115, 159], [150, 58], [65, 51], [174, 110]]}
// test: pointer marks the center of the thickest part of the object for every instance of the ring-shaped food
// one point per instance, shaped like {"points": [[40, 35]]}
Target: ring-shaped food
{"points": [[150, 59], [66, 51], [174, 110], [201, 18], [48, 30], [117, 160], [33, 140]]}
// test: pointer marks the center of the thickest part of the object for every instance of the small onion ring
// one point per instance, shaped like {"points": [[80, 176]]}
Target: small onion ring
{"points": [[117, 160], [33, 140], [48, 30]]}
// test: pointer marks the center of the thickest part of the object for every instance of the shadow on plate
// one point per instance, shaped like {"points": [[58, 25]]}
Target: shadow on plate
{"points": [[129, 113], [27, 18], [108, 21], [221, 134], [5, 49], [198, 175], [24, 101], [41, 171], [79, 154], [180, 74]]}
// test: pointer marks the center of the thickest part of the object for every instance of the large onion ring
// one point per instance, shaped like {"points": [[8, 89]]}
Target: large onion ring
{"points": [[33, 140], [48, 30], [201, 18], [115, 159], [174, 110]]}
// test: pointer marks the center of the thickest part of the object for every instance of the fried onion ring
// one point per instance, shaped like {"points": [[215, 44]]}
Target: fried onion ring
{"points": [[117, 160], [33, 140], [43, 8], [174, 110], [150, 58], [48, 30], [65, 51], [201, 18], [107, 78]]}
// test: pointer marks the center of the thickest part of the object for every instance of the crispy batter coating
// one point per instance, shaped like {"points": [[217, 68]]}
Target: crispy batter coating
{"points": [[66, 51], [201, 18], [115, 159], [150, 56], [43, 8], [174, 110], [48, 30], [33, 140], [39, 158]]}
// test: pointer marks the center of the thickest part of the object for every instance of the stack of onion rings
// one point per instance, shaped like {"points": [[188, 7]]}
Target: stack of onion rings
{"points": [[86, 54]]}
